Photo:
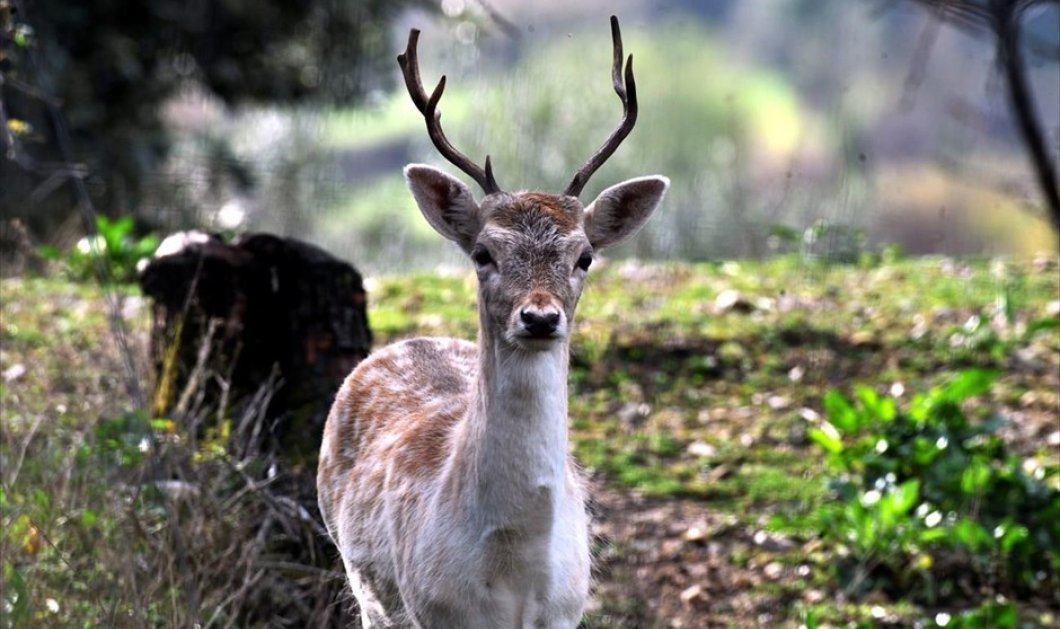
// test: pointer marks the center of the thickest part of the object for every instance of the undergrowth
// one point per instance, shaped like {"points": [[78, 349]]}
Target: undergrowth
{"points": [[113, 517]]}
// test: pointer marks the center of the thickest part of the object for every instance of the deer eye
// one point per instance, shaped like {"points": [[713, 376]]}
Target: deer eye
{"points": [[481, 256], [585, 260]]}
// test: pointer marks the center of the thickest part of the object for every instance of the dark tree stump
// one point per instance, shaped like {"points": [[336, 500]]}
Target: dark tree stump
{"points": [[251, 339]]}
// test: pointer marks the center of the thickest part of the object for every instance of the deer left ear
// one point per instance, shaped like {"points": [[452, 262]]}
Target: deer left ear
{"points": [[621, 210]]}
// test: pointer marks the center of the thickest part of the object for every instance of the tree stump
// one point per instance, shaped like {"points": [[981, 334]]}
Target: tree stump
{"points": [[251, 339]]}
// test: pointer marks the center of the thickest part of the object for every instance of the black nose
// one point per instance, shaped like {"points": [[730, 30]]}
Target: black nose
{"points": [[540, 323]]}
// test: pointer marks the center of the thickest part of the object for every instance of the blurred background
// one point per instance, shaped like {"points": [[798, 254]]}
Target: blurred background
{"points": [[854, 424], [778, 121]]}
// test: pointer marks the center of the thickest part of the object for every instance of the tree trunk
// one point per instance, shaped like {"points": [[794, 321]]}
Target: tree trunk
{"points": [[251, 339]]}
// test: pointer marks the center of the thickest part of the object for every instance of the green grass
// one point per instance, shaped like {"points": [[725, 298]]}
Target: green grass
{"points": [[669, 397]]}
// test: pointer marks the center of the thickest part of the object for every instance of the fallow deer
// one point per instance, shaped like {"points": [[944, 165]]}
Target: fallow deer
{"points": [[444, 478]]}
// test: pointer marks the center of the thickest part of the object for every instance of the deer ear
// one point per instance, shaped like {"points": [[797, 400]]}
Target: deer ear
{"points": [[445, 202], [621, 210]]}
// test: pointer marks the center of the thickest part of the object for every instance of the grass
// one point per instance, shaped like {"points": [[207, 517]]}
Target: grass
{"points": [[671, 398]]}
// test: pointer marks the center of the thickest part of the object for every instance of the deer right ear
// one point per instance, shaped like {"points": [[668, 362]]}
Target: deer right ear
{"points": [[446, 203]]}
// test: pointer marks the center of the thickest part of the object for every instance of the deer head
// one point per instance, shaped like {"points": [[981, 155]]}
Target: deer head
{"points": [[531, 250]]}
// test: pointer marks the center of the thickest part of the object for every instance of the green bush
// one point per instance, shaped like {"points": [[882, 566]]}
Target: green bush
{"points": [[931, 503], [109, 255]]}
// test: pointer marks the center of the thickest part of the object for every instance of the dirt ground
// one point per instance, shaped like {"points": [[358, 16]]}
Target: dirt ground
{"points": [[674, 563]]}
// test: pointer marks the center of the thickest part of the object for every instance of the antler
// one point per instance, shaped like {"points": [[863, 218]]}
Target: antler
{"points": [[627, 93], [410, 68]]}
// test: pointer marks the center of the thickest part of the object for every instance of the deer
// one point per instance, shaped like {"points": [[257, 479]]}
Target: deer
{"points": [[445, 477]]}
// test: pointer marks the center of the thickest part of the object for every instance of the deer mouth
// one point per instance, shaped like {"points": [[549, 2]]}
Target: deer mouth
{"points": [[536, 340]]}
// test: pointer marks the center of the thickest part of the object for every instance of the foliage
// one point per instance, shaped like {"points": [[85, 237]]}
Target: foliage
{"points": [[829, 242], [689, 415], [111, 517], [930, 501], [538, 131], [110, 255], [112, 65]]}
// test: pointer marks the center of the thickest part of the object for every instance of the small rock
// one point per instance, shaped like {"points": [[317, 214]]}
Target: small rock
{"points": [[730, 300], [698, 570], [692, 595], [773, 570], [1044, 262], [695, 533], [632, 414], [772, 541], [14, 372], [730, 268], [778, 402], [1052, 309], [670, 548], [701, 449], [862, 338], [131, 307]]}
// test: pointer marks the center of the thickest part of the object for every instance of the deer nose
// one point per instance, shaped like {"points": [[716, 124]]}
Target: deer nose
{"points": [[540, 322]]}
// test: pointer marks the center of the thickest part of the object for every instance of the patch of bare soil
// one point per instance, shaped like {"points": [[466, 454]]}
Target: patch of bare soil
{"points": [[674, 563]]}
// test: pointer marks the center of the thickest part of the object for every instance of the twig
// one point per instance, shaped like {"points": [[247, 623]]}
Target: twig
{"points": [[1002, 18], [197, 376], [918, 64], [9, 483]]}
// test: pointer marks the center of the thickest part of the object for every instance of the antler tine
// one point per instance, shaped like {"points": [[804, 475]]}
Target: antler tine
{"points": [[410, 69], [627, 93]]}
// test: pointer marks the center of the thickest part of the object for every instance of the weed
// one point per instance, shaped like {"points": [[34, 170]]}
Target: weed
{"points": [[931, 503], [109, 255]]}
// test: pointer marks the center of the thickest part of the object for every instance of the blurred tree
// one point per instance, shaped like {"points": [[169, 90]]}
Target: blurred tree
{"points": [[110, 65], [1003, 19]]}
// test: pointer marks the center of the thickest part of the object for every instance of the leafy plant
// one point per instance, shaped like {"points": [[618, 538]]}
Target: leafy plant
{"points": [[109, 255], [929, 497], [832, 242]]}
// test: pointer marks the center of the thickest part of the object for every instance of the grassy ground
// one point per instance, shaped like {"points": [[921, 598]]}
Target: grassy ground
{"points": [[692, 390]]}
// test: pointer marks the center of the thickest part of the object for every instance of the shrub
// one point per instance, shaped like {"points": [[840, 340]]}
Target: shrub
{"points": [[109, 255], [931, 504]]}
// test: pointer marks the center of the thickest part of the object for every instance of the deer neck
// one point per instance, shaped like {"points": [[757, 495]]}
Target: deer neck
{"points": [[515, 440]]}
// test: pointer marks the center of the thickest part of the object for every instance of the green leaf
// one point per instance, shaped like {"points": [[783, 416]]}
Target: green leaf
{"points": [[810, 620], [1012, 535], [49, 252], [16, 595], [88, 518], [1003, 616], [975, 477], [971, 535], [827, 437], [840, 412], [1045, 324], [936, 534], [907, 495], [882, 409], [970, 384], [145, 246], [783, 232]]}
